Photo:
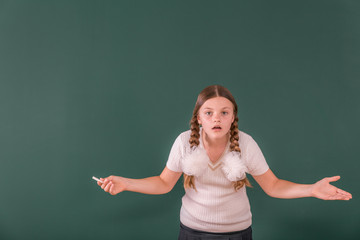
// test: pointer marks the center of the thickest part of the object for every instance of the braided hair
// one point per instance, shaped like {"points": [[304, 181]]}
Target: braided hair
{"points": [[207, 93]]}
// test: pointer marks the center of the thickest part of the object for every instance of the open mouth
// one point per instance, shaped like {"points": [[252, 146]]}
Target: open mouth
{"points": [[216, 128]]}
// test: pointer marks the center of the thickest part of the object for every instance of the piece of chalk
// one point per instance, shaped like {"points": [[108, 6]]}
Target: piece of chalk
{"points": [[96, 179]]}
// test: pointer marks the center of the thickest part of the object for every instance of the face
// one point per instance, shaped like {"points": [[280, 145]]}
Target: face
{"points": [[216, 116]]}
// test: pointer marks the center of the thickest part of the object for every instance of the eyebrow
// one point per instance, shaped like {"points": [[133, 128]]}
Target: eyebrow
{"points": [[212, 109]]}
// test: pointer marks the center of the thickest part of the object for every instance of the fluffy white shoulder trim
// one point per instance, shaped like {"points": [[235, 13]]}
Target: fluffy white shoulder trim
{"points": [[233, 167], [196, 162]]}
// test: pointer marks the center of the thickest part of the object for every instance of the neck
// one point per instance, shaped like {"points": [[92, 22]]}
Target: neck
{"points": [[212, 143]]}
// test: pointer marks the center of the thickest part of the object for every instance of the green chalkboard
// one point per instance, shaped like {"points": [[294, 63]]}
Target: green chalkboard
{"points": [[98, 88]]}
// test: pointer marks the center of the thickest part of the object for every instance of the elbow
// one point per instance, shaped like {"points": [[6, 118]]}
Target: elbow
{"points": [[271, 194], [165, 190], [165, 187], [168, 188], [271, 190]]}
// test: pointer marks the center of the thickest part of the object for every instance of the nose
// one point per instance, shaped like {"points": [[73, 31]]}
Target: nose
{"points": [[216, 117]]}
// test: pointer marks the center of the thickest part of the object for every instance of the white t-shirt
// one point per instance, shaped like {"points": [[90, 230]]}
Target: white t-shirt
{"points": [[215, 206]]}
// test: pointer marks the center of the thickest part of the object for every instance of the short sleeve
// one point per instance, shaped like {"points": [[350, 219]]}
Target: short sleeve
{"points": [[175, 155], [255, 159]]}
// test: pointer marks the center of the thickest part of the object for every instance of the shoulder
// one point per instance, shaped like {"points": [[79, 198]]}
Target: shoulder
{"points": [[245, 138], [184, 137], [243, 134], [253, 156], [247, 142]]}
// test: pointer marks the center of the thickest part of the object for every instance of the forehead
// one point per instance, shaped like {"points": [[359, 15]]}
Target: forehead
{"points": [[217, 103]]}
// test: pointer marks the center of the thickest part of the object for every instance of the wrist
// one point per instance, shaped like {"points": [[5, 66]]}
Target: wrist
{"points": [[310, 191], [126, 182]]}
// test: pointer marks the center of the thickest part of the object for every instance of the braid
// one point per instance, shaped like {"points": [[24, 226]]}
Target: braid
{"points": [[234, 146], [234, 136], [206, 94], [195, 132], [189, 181]]}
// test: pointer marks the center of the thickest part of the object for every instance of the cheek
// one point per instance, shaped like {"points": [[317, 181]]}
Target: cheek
{"points": [[229, 121], [204, 118], [205, 121]]}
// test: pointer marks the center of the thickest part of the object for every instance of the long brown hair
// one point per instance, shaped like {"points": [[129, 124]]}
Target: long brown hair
{"points": [[211, 92]]}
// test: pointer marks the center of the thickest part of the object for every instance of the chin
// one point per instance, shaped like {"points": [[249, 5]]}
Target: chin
{"points": [[217, 134]]}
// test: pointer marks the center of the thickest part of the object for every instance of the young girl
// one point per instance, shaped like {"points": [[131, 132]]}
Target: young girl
{"points": [[214, 157]]}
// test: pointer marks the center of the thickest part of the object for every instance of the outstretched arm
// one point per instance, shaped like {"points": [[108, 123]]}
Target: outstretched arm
{"points": [[152, 185], [279, 188]]}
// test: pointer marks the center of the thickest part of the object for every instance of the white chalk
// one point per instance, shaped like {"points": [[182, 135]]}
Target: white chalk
{"points": [[96, 179]]}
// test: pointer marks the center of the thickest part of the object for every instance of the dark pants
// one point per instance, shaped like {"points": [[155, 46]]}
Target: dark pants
{"points": [[187, 233]]}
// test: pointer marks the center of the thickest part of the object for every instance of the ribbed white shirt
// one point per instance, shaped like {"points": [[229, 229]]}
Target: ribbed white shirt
{"points": [[215, 206]]}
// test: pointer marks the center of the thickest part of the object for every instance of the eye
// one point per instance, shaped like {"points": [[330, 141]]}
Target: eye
{"points": [[225, 113], [207, 113]]}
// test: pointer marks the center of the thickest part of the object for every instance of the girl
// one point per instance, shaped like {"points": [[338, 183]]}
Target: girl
{"points": [[214, 157]]}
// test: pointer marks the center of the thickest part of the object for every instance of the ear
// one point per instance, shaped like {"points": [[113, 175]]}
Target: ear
{"points": [[198, 119]]}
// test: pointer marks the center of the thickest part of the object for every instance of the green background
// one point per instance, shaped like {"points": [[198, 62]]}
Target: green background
{"points": [[104, 87]]}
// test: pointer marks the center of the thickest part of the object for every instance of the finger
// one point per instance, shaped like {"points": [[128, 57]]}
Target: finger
{"points": [[111, 191], [100, 183], [107, 188], [105, 183], [343, 192], [333, 179], [339, 197], [333, 198]]}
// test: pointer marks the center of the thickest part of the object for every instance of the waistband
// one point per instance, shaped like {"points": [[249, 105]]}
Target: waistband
{"points": [[203, 233]]}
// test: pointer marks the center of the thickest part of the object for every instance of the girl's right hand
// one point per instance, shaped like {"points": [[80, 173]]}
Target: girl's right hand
{"points": [[113, 184]]}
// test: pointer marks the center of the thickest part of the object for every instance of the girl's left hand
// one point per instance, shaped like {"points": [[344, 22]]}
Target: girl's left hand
{"points": [[324, 190]]}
